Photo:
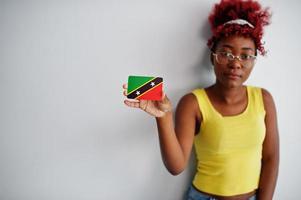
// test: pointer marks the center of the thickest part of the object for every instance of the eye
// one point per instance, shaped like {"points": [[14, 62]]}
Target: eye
{"points": [[225, 54], [246, 57]]}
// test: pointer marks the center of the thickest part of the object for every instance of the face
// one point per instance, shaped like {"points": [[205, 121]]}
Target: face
{"points": [[233, 73]]}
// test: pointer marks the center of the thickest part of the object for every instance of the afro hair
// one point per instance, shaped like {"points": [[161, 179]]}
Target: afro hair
{"points": [[248, 10]]}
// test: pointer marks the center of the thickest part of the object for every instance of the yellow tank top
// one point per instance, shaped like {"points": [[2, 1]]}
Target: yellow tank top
{"points": [[229, 148]]}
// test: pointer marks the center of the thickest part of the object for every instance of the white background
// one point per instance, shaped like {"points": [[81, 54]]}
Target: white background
{"points": [[64, 130]]}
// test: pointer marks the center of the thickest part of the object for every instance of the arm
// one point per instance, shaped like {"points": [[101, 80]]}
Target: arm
{"points": [[176, 143], [270, 154]]}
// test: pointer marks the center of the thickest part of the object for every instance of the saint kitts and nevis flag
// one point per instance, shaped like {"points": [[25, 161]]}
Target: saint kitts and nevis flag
{"points": [[145, 87]]}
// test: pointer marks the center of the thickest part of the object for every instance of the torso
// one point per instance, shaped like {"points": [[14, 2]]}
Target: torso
{"points": [[225, 110]]}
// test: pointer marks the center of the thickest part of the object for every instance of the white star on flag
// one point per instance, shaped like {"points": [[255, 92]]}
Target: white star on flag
{"points": [[138, 92], [152, 84]]}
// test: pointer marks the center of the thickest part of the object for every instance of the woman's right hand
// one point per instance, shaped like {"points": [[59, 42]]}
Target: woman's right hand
{"points": [[154, 108]]}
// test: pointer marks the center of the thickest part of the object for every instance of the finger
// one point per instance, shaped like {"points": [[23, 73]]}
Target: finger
{"points": [[163, 95], [125, 86], [133, 100], [132, 104], [164, 98], [143, 104]]}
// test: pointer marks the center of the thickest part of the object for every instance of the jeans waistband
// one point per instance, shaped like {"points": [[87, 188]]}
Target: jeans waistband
{"points": [[195, 194]]}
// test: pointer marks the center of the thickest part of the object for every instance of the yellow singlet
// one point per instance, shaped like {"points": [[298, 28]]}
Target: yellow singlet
{"points": [[229, 148]]}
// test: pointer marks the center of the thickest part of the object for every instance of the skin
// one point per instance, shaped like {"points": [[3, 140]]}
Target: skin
{"points": [[229, 97]]}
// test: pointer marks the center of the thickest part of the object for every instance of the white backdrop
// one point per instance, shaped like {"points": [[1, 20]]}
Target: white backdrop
{"points": [[64, 130]]}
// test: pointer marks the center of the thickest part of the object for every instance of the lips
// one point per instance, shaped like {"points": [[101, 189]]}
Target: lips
{"points": [[232, 75]]}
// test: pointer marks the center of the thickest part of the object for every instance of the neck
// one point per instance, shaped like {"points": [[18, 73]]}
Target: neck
{"points": [[228, 94]]}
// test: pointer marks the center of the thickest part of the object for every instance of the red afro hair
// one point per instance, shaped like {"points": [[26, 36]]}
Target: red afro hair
{"points": [[248, 10]]}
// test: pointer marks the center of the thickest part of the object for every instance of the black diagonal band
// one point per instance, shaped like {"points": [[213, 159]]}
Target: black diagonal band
{"points": [[153, 83]]}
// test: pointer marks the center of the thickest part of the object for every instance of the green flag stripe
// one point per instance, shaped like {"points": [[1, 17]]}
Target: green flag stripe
{"points": [[136, 82]]}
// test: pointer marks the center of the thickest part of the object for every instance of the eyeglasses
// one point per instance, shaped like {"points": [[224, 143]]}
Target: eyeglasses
{"points": [[226, 57]]}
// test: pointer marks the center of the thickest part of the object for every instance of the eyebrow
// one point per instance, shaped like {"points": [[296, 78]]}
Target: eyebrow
{"points": [[231, 47]]}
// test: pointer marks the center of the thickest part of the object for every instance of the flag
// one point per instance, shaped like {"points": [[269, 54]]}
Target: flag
{"points": [[145, 87]]}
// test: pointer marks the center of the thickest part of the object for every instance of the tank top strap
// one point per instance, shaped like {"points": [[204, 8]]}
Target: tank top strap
{"points": [[256, 99], [204, 104]]}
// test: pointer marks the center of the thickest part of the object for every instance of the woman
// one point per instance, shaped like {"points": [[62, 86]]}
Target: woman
{"points": [[233, 126]]}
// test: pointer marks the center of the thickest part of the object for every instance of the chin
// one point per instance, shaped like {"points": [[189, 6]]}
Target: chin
{"points": [[228, 83], [233, 84]]}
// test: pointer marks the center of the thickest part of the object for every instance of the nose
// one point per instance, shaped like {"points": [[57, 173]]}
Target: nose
{"points": [[235, 64]]}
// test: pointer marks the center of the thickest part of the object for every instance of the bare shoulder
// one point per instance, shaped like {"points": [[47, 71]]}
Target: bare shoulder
{"points": [[188, 105], [268, 101], [267, 98], [187, 102]]}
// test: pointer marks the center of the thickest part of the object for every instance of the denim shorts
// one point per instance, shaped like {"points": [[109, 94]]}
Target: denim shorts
{"points": [[193, 194]]}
